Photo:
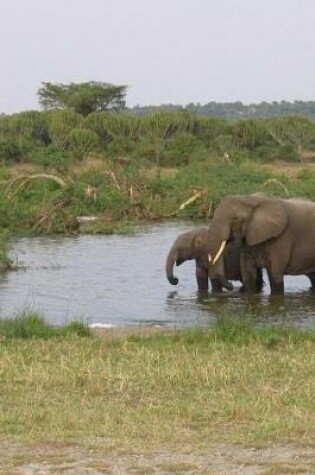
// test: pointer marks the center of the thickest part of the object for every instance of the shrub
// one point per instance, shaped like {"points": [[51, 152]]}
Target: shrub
{"points": [[11, 151], [180, 148], [120, 146], [287, 153], [51, 157], [82, 142]]}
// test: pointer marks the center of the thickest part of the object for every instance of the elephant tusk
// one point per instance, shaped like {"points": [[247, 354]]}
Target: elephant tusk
{"points": [[209, 258], [218, 254]]}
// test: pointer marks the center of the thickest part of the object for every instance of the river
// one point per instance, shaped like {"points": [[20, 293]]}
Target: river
{"points": [[120, 280]]}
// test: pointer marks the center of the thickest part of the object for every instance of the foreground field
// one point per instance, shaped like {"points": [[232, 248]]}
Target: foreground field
{"points": [[193, 401], [218, 459]]}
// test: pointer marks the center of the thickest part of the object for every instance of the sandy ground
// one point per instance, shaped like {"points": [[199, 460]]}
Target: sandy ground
{"points": [[220, 459]]}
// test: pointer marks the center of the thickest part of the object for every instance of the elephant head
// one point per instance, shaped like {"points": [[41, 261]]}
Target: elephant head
{"points": [[253, 218], [187, 246], [194, 245]]}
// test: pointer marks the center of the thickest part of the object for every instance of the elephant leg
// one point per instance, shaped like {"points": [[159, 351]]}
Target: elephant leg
{"points": [[276, 281], [311, 276], [216, 285], [202, 278], [259, 280], [251, 276]]}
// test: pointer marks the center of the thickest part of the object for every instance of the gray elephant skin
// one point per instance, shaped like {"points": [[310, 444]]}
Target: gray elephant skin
{"points": [[277, 234], [194, 245]]}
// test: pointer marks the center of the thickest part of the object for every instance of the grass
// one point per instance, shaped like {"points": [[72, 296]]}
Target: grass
{"points": [[34, 326], [132, 193], [183, 388], [5, 262]]}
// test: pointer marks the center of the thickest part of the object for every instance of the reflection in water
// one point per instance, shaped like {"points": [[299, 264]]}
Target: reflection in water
{"points": [[120, 280], [295, 308]]}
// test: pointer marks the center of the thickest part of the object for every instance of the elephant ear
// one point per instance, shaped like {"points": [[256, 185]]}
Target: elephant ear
{"points": [[199, 241], [268, 220]]}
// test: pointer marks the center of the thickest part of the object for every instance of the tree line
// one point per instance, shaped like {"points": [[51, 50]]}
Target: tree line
{"points": [[93, 96], [237, 110], [92, 117]]}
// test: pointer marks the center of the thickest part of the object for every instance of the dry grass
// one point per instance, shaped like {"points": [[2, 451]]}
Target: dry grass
{"points": [[291, 170], [180, 389]]}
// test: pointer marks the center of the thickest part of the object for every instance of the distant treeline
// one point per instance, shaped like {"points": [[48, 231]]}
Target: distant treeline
{"points": [[169, 138], [237, 110]]}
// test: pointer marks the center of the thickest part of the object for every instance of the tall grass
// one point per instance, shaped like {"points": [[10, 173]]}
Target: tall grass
{"points": [[176, 389], [32, 325], [135, 192], [5, 262]]}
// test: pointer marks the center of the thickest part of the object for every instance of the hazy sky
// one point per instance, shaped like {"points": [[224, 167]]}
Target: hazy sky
{"points": [[166, 51]]}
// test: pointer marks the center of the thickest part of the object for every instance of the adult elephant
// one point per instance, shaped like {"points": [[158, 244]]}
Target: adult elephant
{"points": [[194, 245], [278, 234]]}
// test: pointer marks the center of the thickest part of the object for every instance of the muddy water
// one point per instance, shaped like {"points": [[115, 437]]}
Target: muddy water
{"points": [[120, 280]]}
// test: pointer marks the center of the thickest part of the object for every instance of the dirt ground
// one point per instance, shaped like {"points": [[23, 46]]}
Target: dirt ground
{"points": [[16, 459]]}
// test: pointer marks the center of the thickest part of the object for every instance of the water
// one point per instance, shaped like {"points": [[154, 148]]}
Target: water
{"points": [[120, 280]]}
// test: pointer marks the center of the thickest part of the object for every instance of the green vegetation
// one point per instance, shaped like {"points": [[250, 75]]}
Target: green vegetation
{"points": [[5, 262], [59, 165], [237, 110], [83, 98], [82, 166], [230, 383], [34, 326]]}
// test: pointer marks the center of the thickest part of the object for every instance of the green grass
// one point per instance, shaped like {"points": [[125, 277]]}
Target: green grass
{"points": [[5, 262], [175, 389], [134, 192], [34, 326]]}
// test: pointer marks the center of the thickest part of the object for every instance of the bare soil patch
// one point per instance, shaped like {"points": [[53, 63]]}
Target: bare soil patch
{"points": [[289, 169], [46, 459], [130, 331]]}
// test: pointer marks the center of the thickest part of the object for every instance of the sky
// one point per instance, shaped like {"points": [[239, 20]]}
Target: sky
{"points": [[165, 51]]}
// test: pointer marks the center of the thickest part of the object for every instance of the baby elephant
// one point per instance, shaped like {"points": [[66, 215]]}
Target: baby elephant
{"points": [[194, 245]]}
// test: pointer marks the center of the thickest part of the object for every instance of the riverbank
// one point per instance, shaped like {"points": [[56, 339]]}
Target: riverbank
{"points": [[101, 195], [161, 398]]}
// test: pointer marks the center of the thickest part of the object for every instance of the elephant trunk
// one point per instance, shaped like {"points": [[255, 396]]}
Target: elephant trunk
{"points": [[171, 258], [219, 235], [226, 284]]}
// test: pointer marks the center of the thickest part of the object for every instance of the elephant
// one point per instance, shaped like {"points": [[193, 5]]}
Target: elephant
{"points": [[194, 245], [276, 233]]}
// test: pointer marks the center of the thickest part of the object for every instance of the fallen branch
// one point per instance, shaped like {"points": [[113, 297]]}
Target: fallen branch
{"points": [[190, 200]]}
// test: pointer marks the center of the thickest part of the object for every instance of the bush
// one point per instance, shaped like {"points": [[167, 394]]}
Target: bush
{"points": [[180, 148], [287, 153], [51, 157], [120, 147], [10, 150], [82, 142], [265, 153]]}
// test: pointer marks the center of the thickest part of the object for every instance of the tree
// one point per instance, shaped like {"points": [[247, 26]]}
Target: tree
{"points": [[295, 130], [82, 98], [121, 125], [82, 142], [60, 123], [249, 133], [159, 127]]}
